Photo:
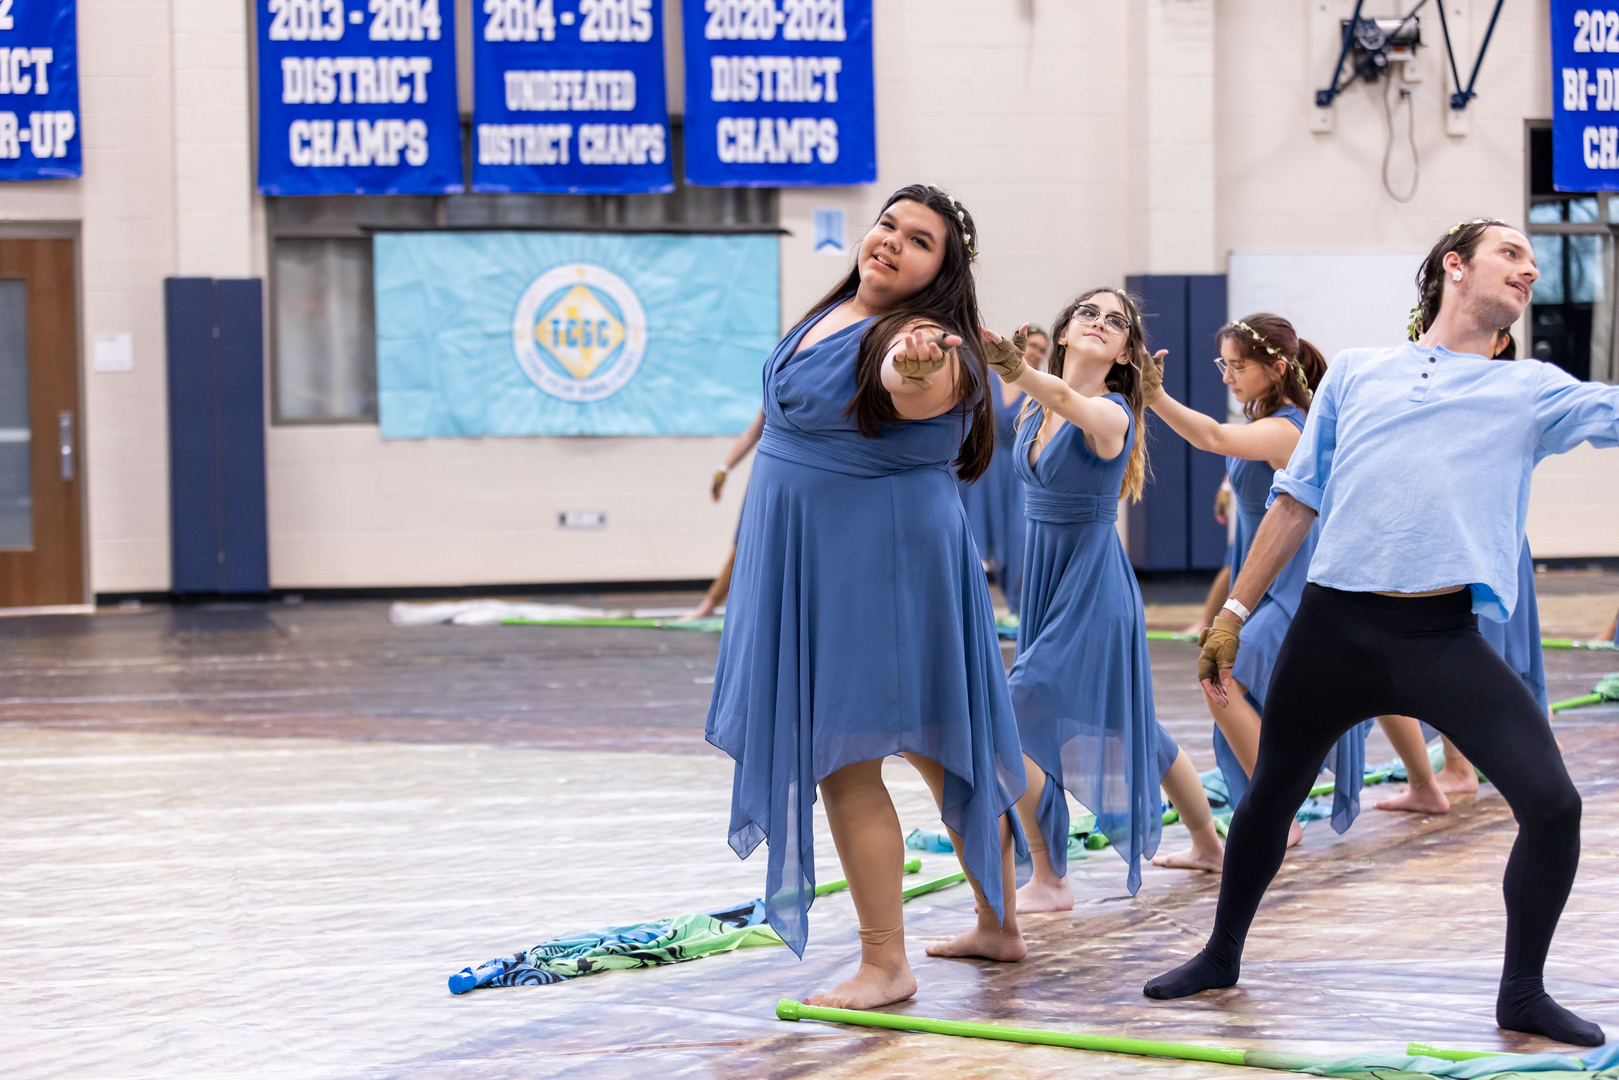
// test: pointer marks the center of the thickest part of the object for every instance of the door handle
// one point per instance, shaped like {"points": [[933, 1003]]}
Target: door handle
{"points": [[64, 432]]}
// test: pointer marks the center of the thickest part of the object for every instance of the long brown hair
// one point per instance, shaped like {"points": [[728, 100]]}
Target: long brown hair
{"points": [[1264, 339], [1123, 379], [949, 302]]}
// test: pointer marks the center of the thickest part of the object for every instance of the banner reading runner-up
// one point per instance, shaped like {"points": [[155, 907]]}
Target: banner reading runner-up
{"points": [[358, 96], [569, 96], [39, 90], [779, 93]]}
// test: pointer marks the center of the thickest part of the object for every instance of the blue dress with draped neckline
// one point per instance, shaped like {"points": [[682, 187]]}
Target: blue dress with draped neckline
{"points": [[1082, 680], [994, 504], [859, 625], [1266, 626]]}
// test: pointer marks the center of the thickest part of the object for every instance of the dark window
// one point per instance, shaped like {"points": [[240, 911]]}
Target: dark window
{"points": [[1572, 320]]}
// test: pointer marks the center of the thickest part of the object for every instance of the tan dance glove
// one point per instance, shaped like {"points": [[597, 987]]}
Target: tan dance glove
{"points": [[1006, 357], [1152, 380], [919, 370], [1219, 643]]}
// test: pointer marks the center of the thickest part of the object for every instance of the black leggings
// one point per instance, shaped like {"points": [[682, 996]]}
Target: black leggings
{"points": [[1348, 656]]}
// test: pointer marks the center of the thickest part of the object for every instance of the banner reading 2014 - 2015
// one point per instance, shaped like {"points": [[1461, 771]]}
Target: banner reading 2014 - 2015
{"points": [[358, 96], [570, 97], [779, 93], [39, 90]]}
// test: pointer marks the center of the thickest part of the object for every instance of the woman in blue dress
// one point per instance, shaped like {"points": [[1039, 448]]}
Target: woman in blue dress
{"points": [[994, 501], [1082, 680], [1272, 372], [859, 623]]}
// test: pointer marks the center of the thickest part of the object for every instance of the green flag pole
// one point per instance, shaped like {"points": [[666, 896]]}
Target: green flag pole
{"points": [[912, 866], [1417, 1049], [1606, 690], [794, 1010]]}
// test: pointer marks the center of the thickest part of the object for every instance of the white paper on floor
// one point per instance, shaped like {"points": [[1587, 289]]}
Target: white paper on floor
{"points": [[489, 612]]}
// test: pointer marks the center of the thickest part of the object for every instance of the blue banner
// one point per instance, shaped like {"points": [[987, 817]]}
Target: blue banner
{"points": [[779, 93], [39, 90], [572, 333], [1585, 96], [570, 99], [358, 97]]}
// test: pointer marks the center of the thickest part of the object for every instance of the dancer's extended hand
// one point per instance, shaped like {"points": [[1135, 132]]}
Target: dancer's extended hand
{"points": [[1006, 357], [921, 355], [1152, 378], [718, 484], [1219, 655]]}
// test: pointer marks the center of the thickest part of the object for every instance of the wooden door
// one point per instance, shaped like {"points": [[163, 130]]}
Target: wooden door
{"points": [[41, 515]]}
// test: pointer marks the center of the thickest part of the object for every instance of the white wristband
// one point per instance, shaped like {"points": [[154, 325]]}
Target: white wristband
{"points": [[725, 468], [1235, 607]]}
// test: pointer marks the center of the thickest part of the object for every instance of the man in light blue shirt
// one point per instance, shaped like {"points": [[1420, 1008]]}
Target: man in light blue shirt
{"points": [[1417, 460]]}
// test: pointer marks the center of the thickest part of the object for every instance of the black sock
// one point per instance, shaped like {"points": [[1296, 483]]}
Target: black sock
{"points": [[1524, 1005], [1198, 973]]}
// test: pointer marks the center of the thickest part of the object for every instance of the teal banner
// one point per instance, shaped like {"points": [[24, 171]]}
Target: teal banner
{"points": [[572, 333]]}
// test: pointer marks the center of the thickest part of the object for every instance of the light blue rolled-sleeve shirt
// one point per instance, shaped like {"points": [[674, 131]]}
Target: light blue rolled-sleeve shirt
{"points": [[1418, 462]]}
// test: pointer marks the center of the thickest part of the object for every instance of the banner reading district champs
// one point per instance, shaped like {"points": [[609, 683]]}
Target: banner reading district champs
{"points": [[569, 96], [529, 333], [1585, 96], [358, 96], [779, 93], [39, 90]]}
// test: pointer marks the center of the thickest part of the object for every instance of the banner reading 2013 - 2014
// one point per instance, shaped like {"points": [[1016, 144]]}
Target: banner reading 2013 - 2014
{"points": [[358, 96], [779, 93], [570, 97], [39, 90]]}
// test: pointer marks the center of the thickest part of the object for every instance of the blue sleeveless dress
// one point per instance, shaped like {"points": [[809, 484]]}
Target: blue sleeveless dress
{"points": [[994, 504], [1265, 628], [1518, 639], [1082, 680], [859, 625]]}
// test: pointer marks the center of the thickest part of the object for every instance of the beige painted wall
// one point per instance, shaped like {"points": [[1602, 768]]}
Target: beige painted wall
{"points": [[1090, 140]]}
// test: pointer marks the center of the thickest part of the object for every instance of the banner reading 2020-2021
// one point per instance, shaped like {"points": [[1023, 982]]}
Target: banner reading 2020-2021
{"points": [[504, 333], [570, 97], [358, 96], [779, 93]]}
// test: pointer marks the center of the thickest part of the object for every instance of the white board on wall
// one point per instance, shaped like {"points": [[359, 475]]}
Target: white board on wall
{"points": [[1335, 300]]}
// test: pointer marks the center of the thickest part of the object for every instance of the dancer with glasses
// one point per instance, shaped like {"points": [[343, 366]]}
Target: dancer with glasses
{"points": [[1272, 372], [1082, 681], [859, 624], [1417, 460]]}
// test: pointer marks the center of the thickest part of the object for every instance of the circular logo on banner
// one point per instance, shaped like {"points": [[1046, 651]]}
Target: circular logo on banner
{"points": [[579, 332]]}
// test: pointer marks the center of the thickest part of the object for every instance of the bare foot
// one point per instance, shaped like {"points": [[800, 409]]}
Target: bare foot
{"points": [[1196, 628], [1295, 833], [701, 611], [1193, 858], [871, 987], [987, 944], [1429, 799], [1045, 896], [1457, 782]]}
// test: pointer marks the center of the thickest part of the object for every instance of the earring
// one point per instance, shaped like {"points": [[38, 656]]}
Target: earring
{"points": [[1455, 275]]}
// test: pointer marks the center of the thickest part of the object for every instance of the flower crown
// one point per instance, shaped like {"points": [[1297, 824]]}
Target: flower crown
{"points": [[1291, 361], [1414, 325], [961, 219]]}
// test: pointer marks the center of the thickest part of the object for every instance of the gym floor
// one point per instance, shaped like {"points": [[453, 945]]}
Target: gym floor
{"points": [[255, 840]]}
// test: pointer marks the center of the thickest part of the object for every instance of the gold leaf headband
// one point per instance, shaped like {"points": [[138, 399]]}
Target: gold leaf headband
{"points": [[1291, 361], [1414, 326]]}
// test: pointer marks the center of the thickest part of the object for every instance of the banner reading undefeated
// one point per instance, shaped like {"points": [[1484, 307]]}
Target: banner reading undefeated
{"points": [[358, 97], [572, 333], [779, 93], [570, 100], [39, 90]]}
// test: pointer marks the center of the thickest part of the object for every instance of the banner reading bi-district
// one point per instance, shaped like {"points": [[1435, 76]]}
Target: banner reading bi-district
{"points": [[569, 96], [779, 93], [39, 90], [571, 333], [1585, 96], [358, 96]]}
